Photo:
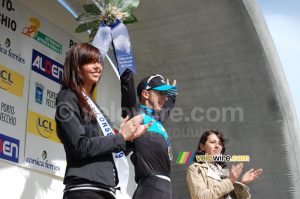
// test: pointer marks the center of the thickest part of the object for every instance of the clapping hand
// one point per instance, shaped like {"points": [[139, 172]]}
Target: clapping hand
{"points": [[235, 172], [132, 128], [251, 175]]}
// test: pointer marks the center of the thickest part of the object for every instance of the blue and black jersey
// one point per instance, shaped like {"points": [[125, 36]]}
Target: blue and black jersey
{"points": [[150, 151]]}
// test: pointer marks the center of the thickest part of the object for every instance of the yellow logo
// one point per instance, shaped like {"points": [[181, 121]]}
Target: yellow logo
{"points": [[32, 30], [11, 81], [42, 126]]}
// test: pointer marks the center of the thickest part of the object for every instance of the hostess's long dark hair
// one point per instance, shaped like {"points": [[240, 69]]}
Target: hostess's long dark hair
{"points": [[79, 55], [203, 140]]}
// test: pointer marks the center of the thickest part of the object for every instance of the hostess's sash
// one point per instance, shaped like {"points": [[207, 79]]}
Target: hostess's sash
{"points": [[118, 34], [119, 157]]}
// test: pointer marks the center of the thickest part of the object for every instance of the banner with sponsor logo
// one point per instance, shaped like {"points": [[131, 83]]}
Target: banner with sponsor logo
{"points": [[9, 148], [44, 151], [14, 82], [32, 52]]}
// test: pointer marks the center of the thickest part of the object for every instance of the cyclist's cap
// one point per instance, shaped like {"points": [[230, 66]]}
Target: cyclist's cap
{"points": [[156, 82]]}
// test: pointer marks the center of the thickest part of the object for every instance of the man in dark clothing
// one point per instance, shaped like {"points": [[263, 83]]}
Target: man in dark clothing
{"points": [[152, 151]]}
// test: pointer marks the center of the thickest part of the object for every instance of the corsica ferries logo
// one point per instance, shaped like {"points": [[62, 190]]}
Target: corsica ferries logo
{"points": [[43, 162], [32, 32], [10, 53], [11, 81], [7, 43], [44, 155], [42, 126]]}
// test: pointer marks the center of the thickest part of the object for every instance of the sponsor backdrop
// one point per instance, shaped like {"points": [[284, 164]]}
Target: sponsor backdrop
{"points": [[32, 53]]}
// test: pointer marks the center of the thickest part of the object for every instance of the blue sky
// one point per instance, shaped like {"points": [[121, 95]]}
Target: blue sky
{"points": [[283, 20]]}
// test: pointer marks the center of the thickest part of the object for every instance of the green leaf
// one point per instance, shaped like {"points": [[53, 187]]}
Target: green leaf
{"points": [[113, 2], [131, 19], [134, 5], [129, 5], [92, 34], [81, 28], [87, 26], [91, 8], [88, 17]]}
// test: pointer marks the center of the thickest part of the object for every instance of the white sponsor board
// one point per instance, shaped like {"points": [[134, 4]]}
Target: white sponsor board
{"points": [[32, 52]]}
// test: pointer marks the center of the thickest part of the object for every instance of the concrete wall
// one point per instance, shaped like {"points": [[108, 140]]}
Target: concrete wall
{"points": [[223, 58]]}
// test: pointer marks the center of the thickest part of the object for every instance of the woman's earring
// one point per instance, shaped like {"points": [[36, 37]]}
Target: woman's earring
{"points": [[201, 151]]}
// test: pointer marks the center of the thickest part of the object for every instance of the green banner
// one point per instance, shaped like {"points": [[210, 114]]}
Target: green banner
{"points": [[50, 43]]}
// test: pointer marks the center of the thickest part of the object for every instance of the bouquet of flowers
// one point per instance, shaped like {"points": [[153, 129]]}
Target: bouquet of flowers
{"points": [[107, 11]]}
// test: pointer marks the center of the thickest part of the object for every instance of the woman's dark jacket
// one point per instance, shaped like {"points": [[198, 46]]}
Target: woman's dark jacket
{"points": [[88, 151]]}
